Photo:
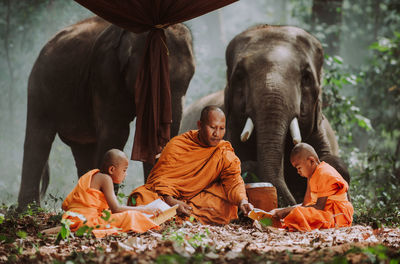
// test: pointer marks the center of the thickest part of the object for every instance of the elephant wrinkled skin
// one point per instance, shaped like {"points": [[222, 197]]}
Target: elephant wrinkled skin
{"points": [[273, 76], [82, 88]]}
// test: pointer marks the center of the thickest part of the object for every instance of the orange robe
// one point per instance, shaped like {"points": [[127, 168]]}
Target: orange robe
{"points": [[338, 211], [206, 178], [91, 202]]}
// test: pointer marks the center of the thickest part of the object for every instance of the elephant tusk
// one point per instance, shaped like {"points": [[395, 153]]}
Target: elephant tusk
{"points": [[247, 130], [295, 131]]}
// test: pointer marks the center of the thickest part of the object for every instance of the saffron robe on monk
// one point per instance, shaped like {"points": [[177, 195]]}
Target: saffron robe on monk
{"points": [[90, 203], [338, 211], [207, 178]]}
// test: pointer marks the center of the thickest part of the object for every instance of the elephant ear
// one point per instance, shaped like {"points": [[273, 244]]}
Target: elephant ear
{"points": [[235, 89], [112, 38], [318, 113], [124, 47], [315, 62], [318, 71]]}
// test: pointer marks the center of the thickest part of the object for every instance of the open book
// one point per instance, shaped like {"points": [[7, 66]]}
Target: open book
{"points": [[167, 211], [258, 214]]}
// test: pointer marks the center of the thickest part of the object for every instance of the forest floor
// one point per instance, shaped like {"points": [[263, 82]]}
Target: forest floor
{"points": [[21, 241]]}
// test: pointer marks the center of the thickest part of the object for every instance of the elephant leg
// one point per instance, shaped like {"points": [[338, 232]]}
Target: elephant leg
{"points": [[111, 136], [38, 140], [84, 156], [45, 180]]}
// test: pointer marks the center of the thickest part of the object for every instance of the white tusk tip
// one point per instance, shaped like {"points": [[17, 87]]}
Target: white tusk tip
{"points": [[244, 137]]}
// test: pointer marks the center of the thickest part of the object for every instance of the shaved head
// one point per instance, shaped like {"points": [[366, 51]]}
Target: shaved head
{"points": [[302, 151], [112, 158], [206, 112], [211, 125]]}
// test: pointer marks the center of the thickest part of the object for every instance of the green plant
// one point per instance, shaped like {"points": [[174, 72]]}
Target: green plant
{"points": [[181, 237], [65, 231], [250, 177], [266, 221], [372, 254], [341, 109], [375, 205]]}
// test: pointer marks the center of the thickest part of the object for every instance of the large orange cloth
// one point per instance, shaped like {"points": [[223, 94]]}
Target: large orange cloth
{"points": [[207, 178], [338, 211], [90, 203]]}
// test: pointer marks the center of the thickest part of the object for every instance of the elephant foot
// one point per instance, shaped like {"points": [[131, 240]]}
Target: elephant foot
{"points": [[25, 207]]}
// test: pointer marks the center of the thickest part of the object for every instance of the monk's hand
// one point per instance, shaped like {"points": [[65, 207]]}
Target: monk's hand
{"points": [[156, 212], [150, 211], [245, 206], [183, 209], [281, 212]]}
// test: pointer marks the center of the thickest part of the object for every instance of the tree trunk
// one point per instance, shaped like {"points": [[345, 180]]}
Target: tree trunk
{"points": [[328, 14]]}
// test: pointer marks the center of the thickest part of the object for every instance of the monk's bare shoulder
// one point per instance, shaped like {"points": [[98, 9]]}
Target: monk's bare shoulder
{"points": [[99, 180]]}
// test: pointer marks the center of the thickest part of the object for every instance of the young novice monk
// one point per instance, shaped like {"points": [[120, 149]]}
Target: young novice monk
{"points": [[327, 191], [95, 193]]}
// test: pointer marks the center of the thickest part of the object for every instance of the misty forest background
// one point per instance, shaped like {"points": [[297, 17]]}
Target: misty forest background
{"points": [[361, 40]]}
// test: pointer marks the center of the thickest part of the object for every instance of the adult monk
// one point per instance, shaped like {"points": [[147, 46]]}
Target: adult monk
{"points": [[200, 172], [94, 193], [326, 203]]}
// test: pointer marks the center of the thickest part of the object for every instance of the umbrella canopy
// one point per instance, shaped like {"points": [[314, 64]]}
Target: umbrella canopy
{"points": [[152, 87]]}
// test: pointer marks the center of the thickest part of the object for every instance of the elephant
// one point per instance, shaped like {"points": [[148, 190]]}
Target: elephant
{"points": [[274, 76], [81, 87]]}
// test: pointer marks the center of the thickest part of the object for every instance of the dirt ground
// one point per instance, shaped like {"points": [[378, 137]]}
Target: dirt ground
{"points": [[180, 241]]}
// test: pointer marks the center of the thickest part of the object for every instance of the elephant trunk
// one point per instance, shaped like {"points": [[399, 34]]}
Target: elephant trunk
{"points": [[271, 135]]}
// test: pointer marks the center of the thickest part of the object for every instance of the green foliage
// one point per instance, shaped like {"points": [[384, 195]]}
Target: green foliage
{"points": [[106, 215], [374, 187], [373, 254], [84, 230], [133, 201], [21, 234], [180, 237], [197, 241], [250, 177], [65, 230], [341, 110], [121, 197], [375, 190], [266, 221], [381, 84], [375, 173]]}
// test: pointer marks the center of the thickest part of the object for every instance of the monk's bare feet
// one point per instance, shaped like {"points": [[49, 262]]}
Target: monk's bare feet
{"points": [[183, 208]]}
